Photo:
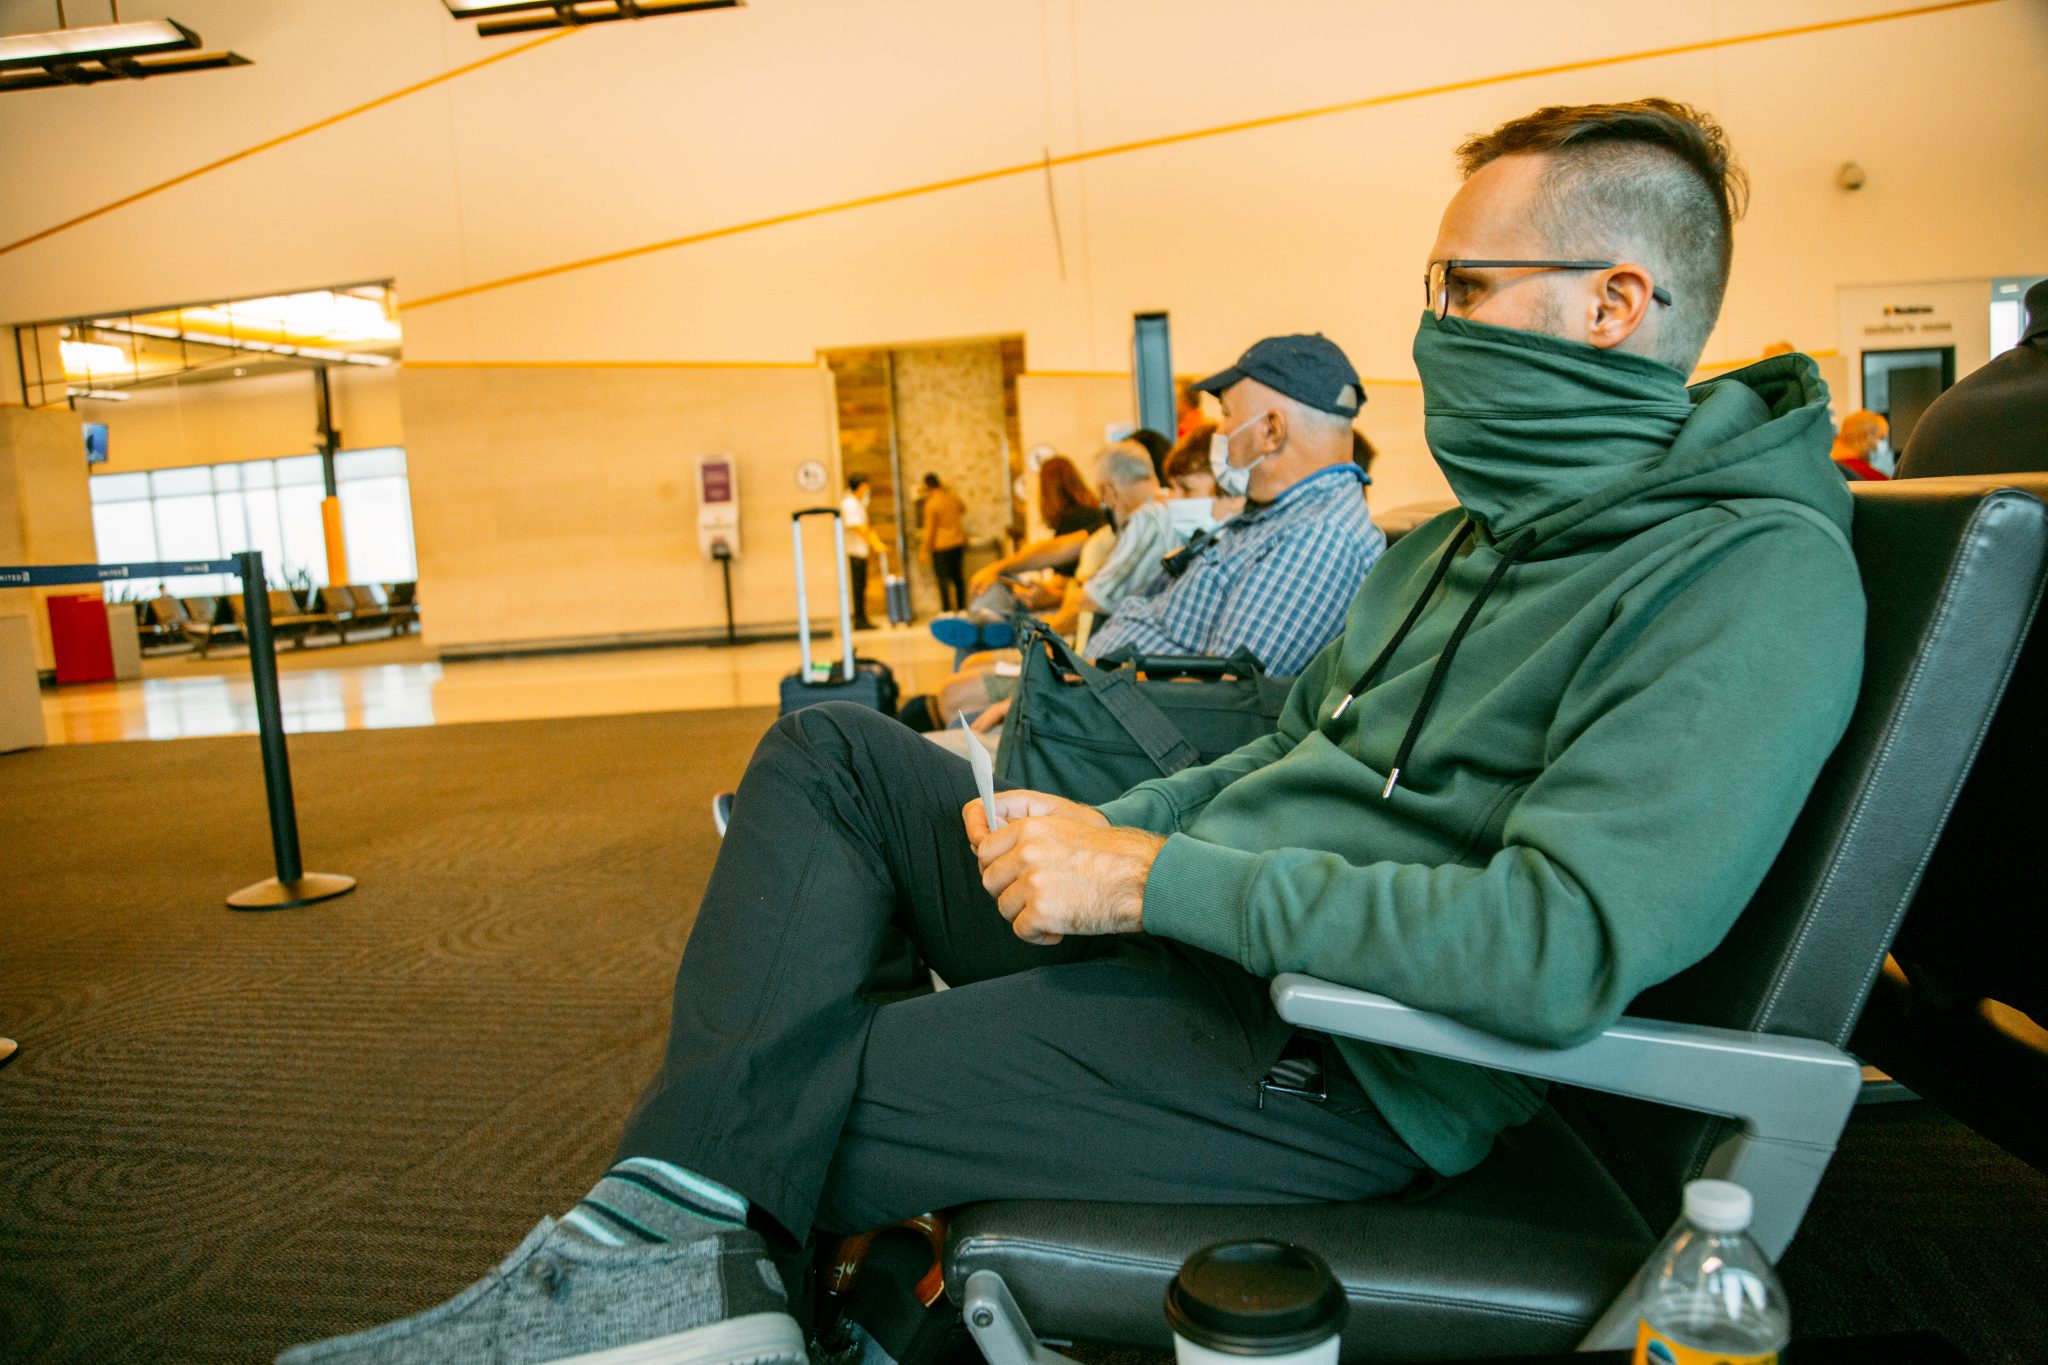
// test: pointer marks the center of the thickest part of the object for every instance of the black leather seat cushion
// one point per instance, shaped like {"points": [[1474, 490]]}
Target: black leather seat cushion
{"points": [[1520, 1255]]}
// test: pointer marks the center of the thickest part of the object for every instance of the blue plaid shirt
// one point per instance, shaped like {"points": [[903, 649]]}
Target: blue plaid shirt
{"points": [[1276, 579]]}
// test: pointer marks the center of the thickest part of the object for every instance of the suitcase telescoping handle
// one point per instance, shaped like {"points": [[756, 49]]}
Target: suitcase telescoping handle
{"points": [[803, 603]]}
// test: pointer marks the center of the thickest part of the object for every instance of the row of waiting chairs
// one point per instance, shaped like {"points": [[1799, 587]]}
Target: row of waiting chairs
{"points": [[205, 621]]}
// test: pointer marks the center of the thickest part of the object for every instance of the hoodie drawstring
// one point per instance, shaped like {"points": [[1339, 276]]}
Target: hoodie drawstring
{"points": [[1514, 551]]}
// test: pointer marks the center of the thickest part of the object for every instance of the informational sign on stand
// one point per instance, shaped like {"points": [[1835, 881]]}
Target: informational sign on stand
{"points": [[718, 507]]}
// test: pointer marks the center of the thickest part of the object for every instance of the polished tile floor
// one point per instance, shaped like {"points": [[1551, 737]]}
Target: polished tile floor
{"points": [[400, 683]]}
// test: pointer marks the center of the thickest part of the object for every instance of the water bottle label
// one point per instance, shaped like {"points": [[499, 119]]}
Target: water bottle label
{"points": [[1654, 1348]]}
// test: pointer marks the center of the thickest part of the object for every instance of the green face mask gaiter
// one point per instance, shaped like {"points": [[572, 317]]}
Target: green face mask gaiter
{"points": [[1524, 425]]}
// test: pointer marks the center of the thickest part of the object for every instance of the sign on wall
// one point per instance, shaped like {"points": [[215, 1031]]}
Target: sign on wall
{"points": [[1909, 317], [718, 507]]}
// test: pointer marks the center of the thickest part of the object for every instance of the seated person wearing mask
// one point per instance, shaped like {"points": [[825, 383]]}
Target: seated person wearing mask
{"points": [[1146, 532], [1275, 578], [1562, 736], [1863, 450]]}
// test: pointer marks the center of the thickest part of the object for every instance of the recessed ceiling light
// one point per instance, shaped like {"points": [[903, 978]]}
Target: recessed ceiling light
{"points": [[104, 52], [540, 14]]}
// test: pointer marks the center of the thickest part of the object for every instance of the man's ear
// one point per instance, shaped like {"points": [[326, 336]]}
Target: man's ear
{"points": [[1272, 431], [1620, 304]]}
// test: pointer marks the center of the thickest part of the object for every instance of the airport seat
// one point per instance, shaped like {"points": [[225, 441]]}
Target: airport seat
{"points": [[403, 599], [287, 618], [1733, 1069], [1960, 1015], [338, 607], [370, 606], [206, 621], [163, 621]]}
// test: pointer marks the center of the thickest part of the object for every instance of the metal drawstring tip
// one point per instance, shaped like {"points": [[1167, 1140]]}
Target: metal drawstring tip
{"points": [[1393, 781], [1342, 706]]}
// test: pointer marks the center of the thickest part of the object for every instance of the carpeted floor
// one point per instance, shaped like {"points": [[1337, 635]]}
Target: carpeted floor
{"points": [[229, 1132]]}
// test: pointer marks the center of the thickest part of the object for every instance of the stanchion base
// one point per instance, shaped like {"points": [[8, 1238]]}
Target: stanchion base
{"points": [[272, 894]]}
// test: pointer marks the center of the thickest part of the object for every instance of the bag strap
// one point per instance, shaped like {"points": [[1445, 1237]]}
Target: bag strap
{"points": [[1240, 663], [1148, 726]]}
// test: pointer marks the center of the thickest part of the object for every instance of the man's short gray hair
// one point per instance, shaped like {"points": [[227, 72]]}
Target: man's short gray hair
{"points": [[1124, 464], [1651, 180]]}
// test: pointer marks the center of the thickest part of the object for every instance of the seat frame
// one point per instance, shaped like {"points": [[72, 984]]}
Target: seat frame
{"points": [[1789, 1096]]}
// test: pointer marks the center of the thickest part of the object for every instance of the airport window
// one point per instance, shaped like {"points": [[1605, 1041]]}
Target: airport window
{"points": [[210, 512]]}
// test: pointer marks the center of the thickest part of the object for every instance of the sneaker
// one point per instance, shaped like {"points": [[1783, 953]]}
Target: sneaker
{"points": [[955, 631], [974, 631], [715, 1300], [721, 811]]}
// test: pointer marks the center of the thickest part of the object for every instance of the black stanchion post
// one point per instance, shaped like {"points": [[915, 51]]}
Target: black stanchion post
{"points": [[293, 885], [723, 553]]}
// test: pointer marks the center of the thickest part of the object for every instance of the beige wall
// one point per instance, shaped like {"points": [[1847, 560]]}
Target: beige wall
{"points": [[771, 114], [1319, 223], [257, 418], [561, 503], [45, 517]]}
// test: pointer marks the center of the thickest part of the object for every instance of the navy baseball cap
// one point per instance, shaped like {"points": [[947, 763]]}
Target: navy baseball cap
{"points": [[1306, 367]]}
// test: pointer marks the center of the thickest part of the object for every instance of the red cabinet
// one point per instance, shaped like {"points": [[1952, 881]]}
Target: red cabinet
{"points": [[78, 638]]}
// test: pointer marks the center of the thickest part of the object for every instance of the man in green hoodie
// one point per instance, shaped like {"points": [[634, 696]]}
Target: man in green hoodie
{"points": [[1561, 739]]}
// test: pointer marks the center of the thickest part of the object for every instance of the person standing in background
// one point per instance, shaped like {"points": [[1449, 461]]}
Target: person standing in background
{"points": [[945, 542], [861, 541], [1863, 448]]}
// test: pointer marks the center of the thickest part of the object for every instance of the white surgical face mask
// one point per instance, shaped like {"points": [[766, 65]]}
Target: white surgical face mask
{"points": [[1881, 457], [1232, 481]]}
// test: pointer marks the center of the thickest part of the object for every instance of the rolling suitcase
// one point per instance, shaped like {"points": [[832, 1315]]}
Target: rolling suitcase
{"points": [[895, 595], [846, 678]]}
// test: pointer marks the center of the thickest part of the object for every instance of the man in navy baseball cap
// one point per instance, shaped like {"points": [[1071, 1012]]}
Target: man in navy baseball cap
{"points": [[1307, 367], [1287, 409]]}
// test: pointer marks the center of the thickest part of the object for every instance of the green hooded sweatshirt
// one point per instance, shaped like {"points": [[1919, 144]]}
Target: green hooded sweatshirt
{"points": [[1661, 642]]}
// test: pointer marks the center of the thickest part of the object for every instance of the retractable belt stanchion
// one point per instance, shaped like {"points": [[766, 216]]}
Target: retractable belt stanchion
{"points": [[293, 885]]}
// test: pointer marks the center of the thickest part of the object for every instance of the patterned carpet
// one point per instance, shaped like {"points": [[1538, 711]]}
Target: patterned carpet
{"points": [[226, 1132]]}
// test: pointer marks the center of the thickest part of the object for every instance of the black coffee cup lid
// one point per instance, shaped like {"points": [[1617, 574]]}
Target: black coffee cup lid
{"points": [[1255, 1299]]}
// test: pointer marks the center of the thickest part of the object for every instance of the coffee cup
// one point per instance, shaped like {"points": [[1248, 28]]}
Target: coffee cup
{"points": [[1270, 1300]]}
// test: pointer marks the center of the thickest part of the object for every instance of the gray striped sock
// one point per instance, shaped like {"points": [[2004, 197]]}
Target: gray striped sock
{"points": [[643, 1200]]}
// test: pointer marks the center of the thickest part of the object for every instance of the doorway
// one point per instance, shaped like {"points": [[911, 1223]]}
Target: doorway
{"points": [[942, 407], [1900, 385]]}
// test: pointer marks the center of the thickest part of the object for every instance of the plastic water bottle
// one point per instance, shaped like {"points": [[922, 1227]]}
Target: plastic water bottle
{"points": [[1712, 1298]]}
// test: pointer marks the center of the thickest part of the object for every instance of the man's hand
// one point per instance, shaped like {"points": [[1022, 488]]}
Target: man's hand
{"points": [[1057, 873], [1020, 804], [984, 579], [989, 719]]}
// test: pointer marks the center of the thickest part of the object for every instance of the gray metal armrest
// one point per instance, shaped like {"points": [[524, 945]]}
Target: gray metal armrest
{"points": [[1791, 1095]]}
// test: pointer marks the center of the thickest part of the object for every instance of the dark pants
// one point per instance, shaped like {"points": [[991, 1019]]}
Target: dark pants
{"points": [[857, 584], [946, 567], [1112, 1068]]}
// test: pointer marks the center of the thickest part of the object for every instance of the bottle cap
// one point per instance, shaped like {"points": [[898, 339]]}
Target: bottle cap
{"points": [[1718, 1205], [1255, 1299]]}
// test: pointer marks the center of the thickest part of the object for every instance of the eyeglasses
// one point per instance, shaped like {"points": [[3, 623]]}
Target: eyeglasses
{"points": [[1436, 281]]}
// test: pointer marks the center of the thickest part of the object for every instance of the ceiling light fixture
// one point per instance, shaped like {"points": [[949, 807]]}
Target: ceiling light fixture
{"points": [[104, 52], [540, 14]]}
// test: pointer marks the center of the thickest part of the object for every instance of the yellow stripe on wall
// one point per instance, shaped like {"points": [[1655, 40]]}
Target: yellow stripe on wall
{"points": [[283, 138], [1123, 148]]}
